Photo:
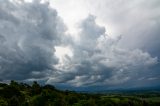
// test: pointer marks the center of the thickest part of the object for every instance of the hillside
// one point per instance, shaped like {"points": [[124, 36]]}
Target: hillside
{"points": [[22, 94]]}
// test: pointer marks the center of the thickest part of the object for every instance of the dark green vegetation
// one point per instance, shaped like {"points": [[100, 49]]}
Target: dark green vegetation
{"points": [[21, 94]]}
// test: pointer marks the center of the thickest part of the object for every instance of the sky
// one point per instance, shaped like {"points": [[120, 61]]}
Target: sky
{"points": [[81, 44]]}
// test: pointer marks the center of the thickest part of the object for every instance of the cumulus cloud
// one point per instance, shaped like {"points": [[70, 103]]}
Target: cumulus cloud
{"points": [[137, 20], [30, 32], [28, 35], [98, 60]]}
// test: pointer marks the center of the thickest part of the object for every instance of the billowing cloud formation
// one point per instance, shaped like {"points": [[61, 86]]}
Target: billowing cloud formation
{"points": [[98, 60], [30, 32], [137, 20]]}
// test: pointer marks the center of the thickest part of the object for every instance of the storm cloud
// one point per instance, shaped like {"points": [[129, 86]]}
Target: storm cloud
{"points": [[98, 60], [30, 32]]}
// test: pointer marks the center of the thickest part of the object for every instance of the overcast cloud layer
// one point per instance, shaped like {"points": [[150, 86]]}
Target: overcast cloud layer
{"points": [[30, 32]]}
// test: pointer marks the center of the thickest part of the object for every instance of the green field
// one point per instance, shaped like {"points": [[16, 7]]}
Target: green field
{"points": [[152, 99]]}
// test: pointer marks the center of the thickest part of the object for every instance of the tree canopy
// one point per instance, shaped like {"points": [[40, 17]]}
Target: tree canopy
{"points": [[22, 94]]}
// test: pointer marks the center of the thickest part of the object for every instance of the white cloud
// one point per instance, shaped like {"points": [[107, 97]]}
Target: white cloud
{"points": [[98, 60]]}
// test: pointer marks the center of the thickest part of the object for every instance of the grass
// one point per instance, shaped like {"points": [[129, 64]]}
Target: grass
{"points": [[152, 99]]}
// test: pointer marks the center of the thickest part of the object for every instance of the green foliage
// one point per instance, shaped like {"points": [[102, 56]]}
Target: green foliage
{"points": [[21, 94], [3, 102], [36, 89]]}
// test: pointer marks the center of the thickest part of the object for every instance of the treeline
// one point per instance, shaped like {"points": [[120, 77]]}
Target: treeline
{"points": [[22, 94]]}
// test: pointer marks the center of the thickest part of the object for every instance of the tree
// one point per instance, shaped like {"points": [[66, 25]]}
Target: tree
{"points": [[3, 102], [36, 89]]}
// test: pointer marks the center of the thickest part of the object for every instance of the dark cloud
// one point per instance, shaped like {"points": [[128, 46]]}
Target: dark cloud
{"points": [[99, 61], [30, 33]]}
